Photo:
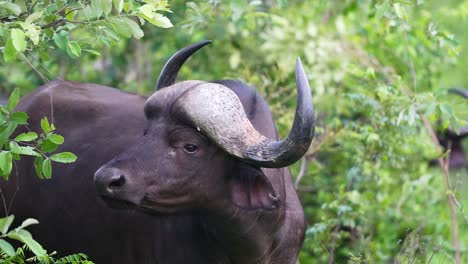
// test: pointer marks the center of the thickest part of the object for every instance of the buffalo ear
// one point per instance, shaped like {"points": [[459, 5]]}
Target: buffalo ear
{"points": [[250, 189]]}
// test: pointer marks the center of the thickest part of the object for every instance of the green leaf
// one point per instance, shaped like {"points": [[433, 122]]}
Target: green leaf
{"points": [[34, 16], [74, 49], [22, 232], [47, 169], [381, 9], [61, 40], [57, 139], [118, 5], [5, 223], [38, 166], [6, 164], [92, 52], [9, 52], [7, 248], [64, 157], [45, 125], [88, 12], [282, 3], [19, 118], [136, 30], [131, 26], [48, 146], [27, 150], [106, 6], [161, 21], [44, 55], [121, 27], [128, 6], [71, 15], [14, 147], [35, 247], [3, 112], [111, 34], [19, 39], [148, 12], [27, 222], [26, 137], [32, 31], [7, 131], [12, 8], [96, 7], [13, 100], [400, 11]]}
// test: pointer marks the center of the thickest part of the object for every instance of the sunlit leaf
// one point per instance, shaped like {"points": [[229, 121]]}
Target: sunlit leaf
{"points": [[26, 137], [13, 100], [18, 39], [11, 7], [6, 165], [9, 52], [7, 248], [5, 223], [47, 169], [64, 157], [35, 247]]}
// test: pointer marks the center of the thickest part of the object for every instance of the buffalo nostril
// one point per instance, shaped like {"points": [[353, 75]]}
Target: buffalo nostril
{"points": [[117, 182]]}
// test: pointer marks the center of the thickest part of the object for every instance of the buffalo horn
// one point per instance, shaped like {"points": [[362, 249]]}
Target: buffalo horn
{"points": [[168, 74], [217, 111], [460, 91]]}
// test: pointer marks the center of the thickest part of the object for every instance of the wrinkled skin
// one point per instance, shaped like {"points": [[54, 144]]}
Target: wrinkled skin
{"points": [[179, 205]]}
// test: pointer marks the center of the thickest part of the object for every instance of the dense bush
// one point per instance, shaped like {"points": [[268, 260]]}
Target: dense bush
{"points": [[379, 71]]}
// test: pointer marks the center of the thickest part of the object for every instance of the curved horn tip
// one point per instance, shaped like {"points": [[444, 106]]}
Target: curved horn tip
{"points": [[299, 65], [298, 62], [301, 77], [169, 73], [205, 42], [460, 91]]}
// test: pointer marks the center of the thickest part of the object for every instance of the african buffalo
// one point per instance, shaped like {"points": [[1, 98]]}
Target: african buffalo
{"points": [[193, 174]]}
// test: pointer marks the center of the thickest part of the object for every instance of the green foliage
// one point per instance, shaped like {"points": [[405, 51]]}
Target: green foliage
{"points": [[29, 143], [9, 255], [38, 27]]}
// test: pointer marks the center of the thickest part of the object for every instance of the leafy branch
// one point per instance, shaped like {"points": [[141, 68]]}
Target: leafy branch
{"points": [[46, 26], [29, 143]]}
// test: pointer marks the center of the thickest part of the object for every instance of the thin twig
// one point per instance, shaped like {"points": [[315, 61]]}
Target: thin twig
{"points": [[12, 199], [444, 165], [4, 202], [44, 79], [32, 7], [55, 23], [433, 253]]}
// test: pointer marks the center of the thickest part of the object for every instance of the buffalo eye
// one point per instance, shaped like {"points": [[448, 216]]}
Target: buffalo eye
{"points": [[189, 148]]}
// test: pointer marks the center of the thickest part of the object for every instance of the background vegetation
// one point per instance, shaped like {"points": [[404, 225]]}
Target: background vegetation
{"points": [[379, 71]]}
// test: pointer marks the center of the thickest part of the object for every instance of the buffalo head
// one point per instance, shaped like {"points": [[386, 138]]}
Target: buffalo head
{"points": [[200, 150]]}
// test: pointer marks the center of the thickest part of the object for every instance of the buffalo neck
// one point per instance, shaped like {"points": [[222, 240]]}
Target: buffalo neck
{"points": [[211, 238]]}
